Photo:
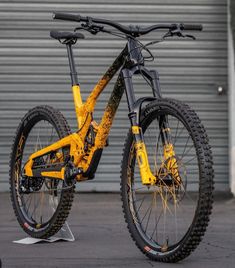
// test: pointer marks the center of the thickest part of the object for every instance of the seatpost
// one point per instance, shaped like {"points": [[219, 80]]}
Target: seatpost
{"points": [[72, 66], [75, 86]]}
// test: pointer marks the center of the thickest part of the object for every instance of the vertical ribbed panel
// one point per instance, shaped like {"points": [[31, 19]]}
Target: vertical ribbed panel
{"points": [[34, 70]]}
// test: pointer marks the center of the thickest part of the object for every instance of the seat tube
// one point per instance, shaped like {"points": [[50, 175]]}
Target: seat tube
{"points": [[75, 85]]}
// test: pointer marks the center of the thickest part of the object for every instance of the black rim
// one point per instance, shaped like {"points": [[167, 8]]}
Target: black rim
{"points": [[160, 212], [38, 198]]}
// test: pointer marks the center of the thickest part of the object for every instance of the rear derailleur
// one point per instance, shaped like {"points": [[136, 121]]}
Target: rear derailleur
{"points": [[29, 185]]}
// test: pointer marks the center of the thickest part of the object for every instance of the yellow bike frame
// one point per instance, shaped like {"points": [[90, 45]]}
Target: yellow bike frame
{"points": [[84, 110], [84, 113]]}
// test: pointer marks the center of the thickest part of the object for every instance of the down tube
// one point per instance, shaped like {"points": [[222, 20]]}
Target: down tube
{"points": [[109, 113], [91, 100], [89, 106]]}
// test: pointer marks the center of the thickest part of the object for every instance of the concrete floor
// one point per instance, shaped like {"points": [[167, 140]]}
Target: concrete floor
{"points": [[102, 239]]}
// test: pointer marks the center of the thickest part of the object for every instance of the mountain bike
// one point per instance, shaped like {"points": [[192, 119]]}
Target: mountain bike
{"points": [[167, 168]]}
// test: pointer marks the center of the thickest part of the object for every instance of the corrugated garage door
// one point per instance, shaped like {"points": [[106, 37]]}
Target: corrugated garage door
{"points": [[34, 69]]}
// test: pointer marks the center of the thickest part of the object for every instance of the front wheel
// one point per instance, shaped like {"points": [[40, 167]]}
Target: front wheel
{"points": [[167, 220]]}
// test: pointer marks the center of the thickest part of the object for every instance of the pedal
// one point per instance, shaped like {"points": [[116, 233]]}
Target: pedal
{"points": [[70, 173], [75, 171]]}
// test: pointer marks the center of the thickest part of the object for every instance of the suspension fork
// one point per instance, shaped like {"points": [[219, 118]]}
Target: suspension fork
{"points": [[164, 130], [165, 133], [147, 177], [169, 157]]}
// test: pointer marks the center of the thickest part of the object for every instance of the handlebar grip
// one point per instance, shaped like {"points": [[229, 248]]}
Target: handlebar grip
{"points": [[66, 16], [191, 27]]}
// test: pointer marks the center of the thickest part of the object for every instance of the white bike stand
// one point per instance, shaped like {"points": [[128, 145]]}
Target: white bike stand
{"points": [[65, 234]]}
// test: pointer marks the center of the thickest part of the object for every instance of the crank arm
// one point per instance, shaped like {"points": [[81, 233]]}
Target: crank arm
{"points": [[53, 171], [67, 172]]}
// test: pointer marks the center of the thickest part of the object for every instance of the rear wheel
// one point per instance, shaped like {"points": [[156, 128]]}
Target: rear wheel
{"points": [[41, 204], [167, 220]]}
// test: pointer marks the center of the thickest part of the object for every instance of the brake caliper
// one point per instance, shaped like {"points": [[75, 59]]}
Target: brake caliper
{"points": [[170, 162]]}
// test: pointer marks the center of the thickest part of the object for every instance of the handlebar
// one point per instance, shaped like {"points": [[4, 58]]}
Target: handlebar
{"points": [[192, 27], [66, 16], [131, 30]]}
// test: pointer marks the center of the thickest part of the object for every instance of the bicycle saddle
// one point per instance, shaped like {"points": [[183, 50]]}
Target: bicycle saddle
{"points": [[66, 35]]}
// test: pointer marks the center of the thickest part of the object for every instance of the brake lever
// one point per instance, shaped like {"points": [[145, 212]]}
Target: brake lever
{"points": [[78, 28], [190, 36], [91, 27], [178, 32]]}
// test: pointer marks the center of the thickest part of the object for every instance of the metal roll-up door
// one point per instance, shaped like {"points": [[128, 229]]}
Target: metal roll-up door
{"points": [[34, 70]]}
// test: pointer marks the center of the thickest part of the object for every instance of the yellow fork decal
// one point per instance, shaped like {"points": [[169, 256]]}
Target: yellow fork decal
{"points": [[146, 175]]}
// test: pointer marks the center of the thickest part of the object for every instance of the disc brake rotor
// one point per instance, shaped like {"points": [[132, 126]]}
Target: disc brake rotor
{"points": [[172, 177]]}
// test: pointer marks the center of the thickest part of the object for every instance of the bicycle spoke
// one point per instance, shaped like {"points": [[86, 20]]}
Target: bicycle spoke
{"points": [[156, 223], [185, 146], [143, 187], [190, 160], [30, 200], [176, 132], [146, 213], [143, 199], [150, 211], [187, 152], [181, 131]]}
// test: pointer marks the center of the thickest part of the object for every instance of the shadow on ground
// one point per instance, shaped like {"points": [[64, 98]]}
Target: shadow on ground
{"points": [[102, 239]]}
